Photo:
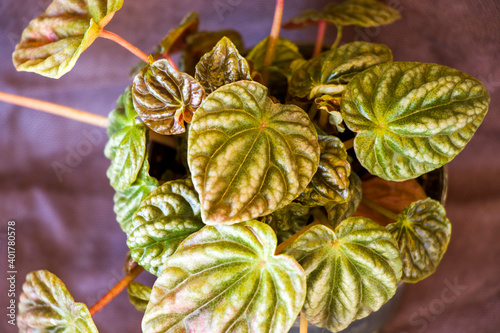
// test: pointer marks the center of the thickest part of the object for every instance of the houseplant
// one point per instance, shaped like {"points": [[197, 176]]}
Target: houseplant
{"points": [[329, 103]]}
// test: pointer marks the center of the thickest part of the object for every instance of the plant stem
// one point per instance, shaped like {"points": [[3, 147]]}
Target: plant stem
{"points": [[338, 38], [117, 39], [273, 38], [75, 114], [303, 323], [118, 288], [319, 38], [382, 210], [323, 119], [348, 144]]}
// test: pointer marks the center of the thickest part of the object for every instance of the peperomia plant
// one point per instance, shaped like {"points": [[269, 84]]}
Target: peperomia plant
{"points": [[257, 216]]}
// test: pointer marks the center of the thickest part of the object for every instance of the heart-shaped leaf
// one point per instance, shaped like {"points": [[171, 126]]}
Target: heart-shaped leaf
{"points": [[165, 218], [139, 295], [288, 220], [423, 232], [128, 201], [286, 53], [331, 180], [410, 117], [247, 155], [175, 40], [351, 271], [53, 42], [338, 212], [46, 305], [165, 98], [221, 66], [236, 284], [332, 70], [363, 13]]}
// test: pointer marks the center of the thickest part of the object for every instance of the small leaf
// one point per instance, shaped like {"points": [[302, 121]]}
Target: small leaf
{"points": [[236, 284], [165, 98], [338, 212], [53, 42], [124, 115], [221, 66], [410, 117], [46, 305], [128, 201], [351, 271], [332, 70], [362, 13], [138, 295], [304, 19], [175, 40], [331, 180], [248, 156], [165, 218], [286, 53], [288, 220], [423, 232], [331, 105]]}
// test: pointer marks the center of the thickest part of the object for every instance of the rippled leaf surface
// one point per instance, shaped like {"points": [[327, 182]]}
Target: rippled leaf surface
{"points": [[221, 66], [423, 232], [165, 218], [351, 271], [166, 98], [175, 40], [332, 70], [363, 13], [288, 220], [247, 155], [47, 306], [53, 42], [138, 295], [227, 279], [331, 180], [412, 118], [338, 212]]}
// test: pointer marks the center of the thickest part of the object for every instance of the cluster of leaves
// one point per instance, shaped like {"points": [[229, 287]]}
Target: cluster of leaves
{"points": [[261, 171]]}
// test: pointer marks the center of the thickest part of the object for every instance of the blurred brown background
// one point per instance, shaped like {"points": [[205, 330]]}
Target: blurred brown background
{"points": [[68, 226]]}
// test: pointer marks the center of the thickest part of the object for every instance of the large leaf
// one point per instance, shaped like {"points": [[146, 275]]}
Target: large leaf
{"points": [[286, 53], [138, 295], [423, 232], [331, 180], [165, 218], [351, 271], [363, 13], [410, 117], [235, 284], [46, 305], [221, 66], [128, 201], [175, 40], [247, 155], [332, 70], [165, 98], [53, 42], [338, 212]]}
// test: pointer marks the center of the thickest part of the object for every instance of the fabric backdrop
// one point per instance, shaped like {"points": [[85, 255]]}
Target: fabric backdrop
{"points": [[66, 224]]}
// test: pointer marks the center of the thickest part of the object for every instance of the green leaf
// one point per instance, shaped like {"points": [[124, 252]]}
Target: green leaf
{"points": [[175, 40], [127, 150], [331, 105], [138, 295], [165, 98], [363, 13], [411, 117], [165, 218], [288, 220], [236, 284], [46, 305], [221, 66], [423, 232], [328, 73], [351, 271], [124, 115], [53, 42], [338, 212], [128, 201], [248, 156], [307, 17], [286, 53], [331, 180]]}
